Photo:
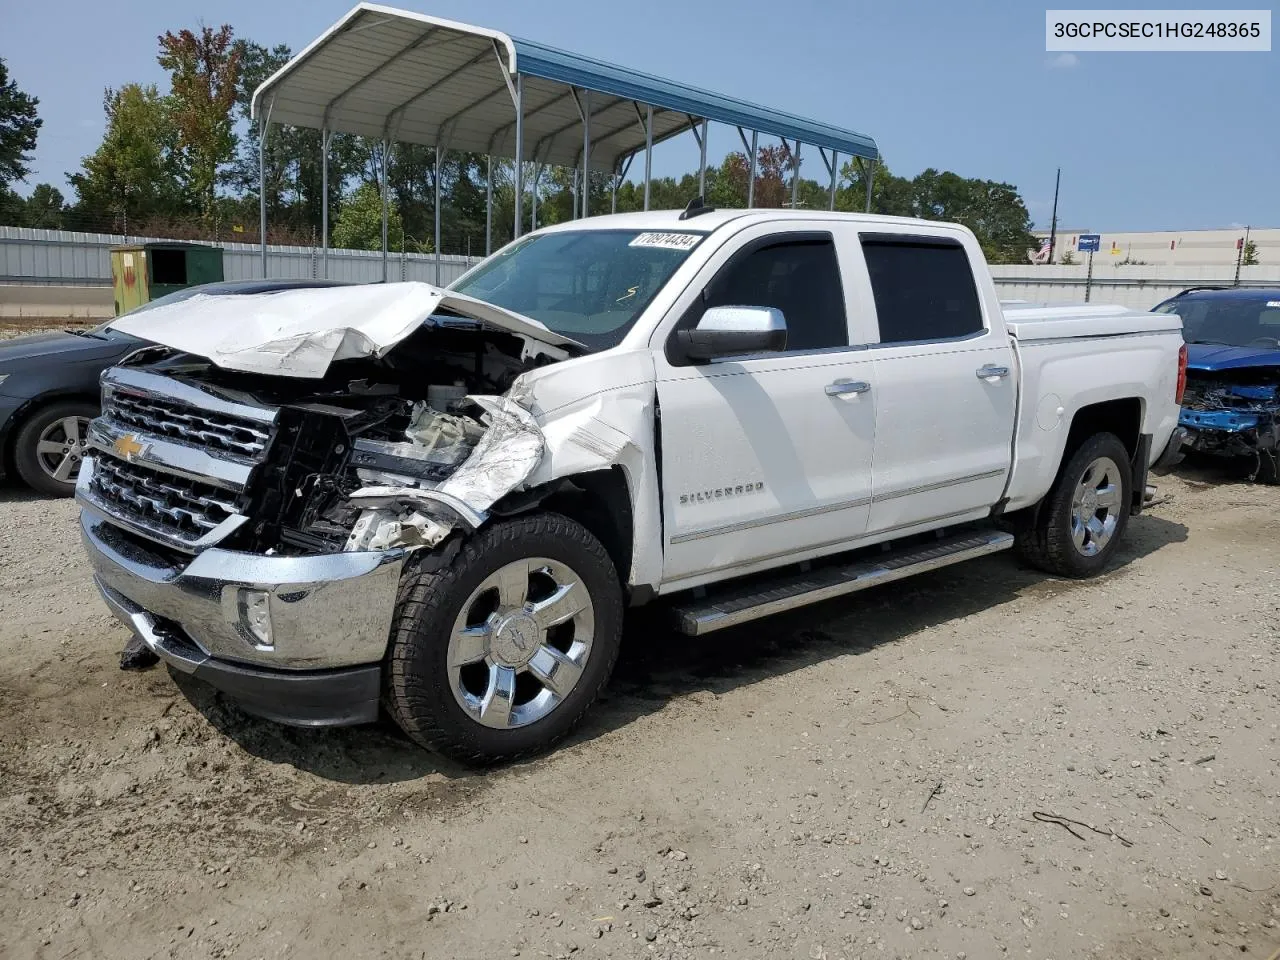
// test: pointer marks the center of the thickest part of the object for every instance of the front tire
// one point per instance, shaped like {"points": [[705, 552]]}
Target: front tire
{"points": [[1078, 526], [499, 654], [49, 446]]}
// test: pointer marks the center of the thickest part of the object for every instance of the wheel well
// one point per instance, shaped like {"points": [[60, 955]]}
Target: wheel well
{"points": [[601, 502], [1121, 417]]}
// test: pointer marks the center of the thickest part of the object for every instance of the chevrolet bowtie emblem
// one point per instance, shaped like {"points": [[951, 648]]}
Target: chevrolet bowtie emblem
{"points": [[127, 446]]}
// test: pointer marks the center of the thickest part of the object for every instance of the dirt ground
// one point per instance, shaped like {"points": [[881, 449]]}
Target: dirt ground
{"points": [[877, 777]]}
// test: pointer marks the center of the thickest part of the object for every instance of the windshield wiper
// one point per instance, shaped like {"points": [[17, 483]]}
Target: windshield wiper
{"points": [[1215, 343]]}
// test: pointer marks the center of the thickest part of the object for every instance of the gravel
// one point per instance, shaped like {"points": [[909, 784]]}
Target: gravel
{"points": [[760, 793]]}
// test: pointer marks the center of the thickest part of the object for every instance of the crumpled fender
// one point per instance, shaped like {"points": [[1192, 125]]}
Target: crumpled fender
{"points": [[555, 422]]}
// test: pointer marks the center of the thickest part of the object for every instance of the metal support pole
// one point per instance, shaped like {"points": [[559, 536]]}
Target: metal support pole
{"points": [[613, 192], [648, 154], [586, 153], [702, 162], [795, 178], [325, 136], [533, 197], [386, 162], [870, 174], [488, 209], [519, 151], [262, 189], [1088, 280], [835, 169], [751, 175], [436, 209]]}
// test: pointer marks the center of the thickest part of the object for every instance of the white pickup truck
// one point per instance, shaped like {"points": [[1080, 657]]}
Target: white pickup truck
{"points": [[326, 503]]}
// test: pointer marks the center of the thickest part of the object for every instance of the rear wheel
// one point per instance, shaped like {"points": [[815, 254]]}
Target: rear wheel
{"points": [[1079, 524], [48, 448], [500, 653], [1268, 471]]}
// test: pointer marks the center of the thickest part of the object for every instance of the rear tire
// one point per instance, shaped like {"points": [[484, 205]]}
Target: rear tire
{"points": [[49, 446], [1078, 526], [500, 653], [1268, 471]]}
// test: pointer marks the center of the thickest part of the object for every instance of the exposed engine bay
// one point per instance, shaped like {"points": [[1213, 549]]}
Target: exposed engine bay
{"points": [[381, 452], [1233, 412]]}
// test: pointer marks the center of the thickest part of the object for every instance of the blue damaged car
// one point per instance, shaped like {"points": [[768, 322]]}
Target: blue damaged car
{"points": [[1231, 406]]}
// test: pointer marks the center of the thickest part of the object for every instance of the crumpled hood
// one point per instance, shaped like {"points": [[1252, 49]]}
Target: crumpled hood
{"points": [[299, 333], [1213, 356]]}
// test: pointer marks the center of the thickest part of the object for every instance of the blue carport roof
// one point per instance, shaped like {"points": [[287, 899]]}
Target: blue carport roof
{"points": [[395, 74]]}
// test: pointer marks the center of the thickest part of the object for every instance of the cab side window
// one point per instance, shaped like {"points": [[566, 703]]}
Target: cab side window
{"points": [[799, 277], [923, 287]]}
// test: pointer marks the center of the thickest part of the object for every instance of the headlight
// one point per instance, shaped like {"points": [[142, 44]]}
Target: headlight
{"points": [[3, 377]]}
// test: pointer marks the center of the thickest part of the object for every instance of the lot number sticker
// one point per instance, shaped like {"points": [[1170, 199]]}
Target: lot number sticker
{"points": [[667, 241]]}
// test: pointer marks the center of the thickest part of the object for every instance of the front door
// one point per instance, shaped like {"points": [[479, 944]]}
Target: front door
{"points": [[767, 456]]}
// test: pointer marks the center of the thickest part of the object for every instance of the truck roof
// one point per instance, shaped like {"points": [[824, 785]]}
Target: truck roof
{"points": [[712, 219]]}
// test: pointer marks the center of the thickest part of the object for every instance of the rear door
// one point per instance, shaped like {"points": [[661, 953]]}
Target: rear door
{"points": [[765, 457], [946, 387]]}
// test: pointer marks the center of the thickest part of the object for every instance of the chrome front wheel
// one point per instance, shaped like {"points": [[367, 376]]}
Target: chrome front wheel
{"points": [[521, 643], [500, 644]]}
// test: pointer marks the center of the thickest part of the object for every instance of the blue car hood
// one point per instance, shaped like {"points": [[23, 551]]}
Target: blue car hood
{"points": [[1214, 356]]}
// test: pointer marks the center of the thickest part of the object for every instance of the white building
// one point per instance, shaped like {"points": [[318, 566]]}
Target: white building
{"points": [[1184, 248]]}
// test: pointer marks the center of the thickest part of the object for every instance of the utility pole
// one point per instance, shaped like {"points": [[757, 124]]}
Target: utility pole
{"points": [[1241, 246], [1053, 224]]}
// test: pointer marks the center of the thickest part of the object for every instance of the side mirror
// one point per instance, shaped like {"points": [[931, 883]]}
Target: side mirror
{"points": [[732, 331]]}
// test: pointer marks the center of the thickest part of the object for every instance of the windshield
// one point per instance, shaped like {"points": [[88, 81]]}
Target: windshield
{"points": [[590, 285], [1231, 321]]}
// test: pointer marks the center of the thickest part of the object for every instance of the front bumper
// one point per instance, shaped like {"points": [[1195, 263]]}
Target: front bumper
{"points": [[329, 621]]}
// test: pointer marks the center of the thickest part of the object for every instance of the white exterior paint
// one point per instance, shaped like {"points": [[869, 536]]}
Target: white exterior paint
{"points": [[930, 443], [942, 432]]}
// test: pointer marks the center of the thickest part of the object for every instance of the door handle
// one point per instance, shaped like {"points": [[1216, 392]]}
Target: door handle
{"points": [[844, 388], [991, 372]]}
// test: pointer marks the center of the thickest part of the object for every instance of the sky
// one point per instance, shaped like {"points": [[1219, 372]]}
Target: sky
{"points": [[1146, 141]]}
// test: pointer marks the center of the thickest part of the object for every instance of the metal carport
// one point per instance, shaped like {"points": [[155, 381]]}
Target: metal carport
{"points": [[398, 76]]}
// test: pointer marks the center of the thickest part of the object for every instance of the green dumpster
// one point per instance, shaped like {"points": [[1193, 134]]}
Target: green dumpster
{"points": [[143, 272]]}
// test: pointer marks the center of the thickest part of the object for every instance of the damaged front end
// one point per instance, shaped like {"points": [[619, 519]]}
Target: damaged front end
{"points": [[380, 453], [1233, 413]]}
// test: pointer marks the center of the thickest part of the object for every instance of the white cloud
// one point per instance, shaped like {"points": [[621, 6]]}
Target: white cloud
{"points": [[1063, 61]]}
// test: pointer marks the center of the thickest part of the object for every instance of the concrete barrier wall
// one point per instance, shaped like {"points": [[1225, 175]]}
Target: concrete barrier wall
{"points": [[1140, 287], [61, 257], [50, 302]]}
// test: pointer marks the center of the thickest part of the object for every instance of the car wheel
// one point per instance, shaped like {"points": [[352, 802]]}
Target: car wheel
{"points": [[49, 446], [498, 654], [1078, 526]]}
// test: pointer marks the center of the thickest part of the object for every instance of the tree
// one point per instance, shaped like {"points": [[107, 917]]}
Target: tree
{"points": [[45, 207], [133, 175], [359, 224], [204, 72], [1249, 254], [19, 126]]}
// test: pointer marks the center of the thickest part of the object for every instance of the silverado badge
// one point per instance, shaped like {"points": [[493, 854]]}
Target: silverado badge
{"points": [[720, 493], [127, 446]]}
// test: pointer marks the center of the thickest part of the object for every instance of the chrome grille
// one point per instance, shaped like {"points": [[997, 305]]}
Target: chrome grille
{"points": [[162, 417], [171, 508]]}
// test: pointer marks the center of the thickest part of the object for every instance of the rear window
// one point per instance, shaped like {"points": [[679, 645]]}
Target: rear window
{"points": [[924, 289]]}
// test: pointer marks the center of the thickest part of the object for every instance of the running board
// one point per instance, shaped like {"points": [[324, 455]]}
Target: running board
{"points": [[734, 606]]}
